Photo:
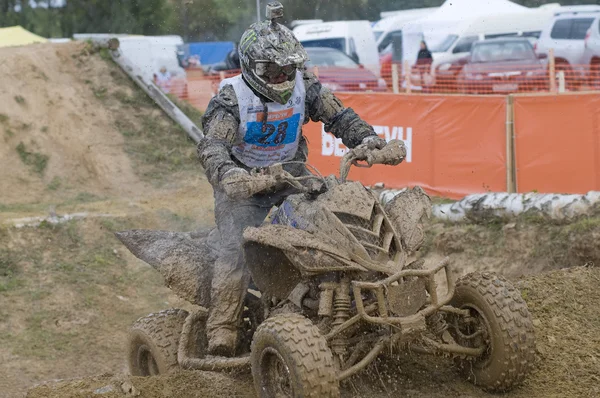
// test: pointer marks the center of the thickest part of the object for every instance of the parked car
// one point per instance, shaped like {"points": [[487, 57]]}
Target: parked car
{"points": [[339, 72], [354, 38], [566, 35], [502, 66], [451, 32], [591, 54]]}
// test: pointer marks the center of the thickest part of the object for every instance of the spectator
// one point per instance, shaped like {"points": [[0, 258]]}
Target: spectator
{"points": [[424, 61], [163, 80]]}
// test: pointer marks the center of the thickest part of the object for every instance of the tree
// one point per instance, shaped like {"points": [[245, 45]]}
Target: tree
{"points": [[195, 20], [147, 17], [200, 20]]}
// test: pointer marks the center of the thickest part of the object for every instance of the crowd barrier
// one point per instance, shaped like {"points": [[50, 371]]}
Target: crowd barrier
{"points": [[199, 87], [455, 145], [557, 143], [464, 144]]}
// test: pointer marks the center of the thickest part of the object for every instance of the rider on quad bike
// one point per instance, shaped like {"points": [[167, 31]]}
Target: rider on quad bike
{"points": [[256, 121]]}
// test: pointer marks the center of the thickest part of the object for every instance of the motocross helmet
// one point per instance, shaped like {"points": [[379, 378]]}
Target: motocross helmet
{"points": [[270, 55]]}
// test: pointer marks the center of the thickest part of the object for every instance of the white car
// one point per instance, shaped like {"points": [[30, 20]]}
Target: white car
{"points": [[591, 54], [354, 38], [566, 35]]}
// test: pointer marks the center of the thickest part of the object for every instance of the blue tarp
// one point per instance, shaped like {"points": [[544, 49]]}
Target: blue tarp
{"points": [[209, 52]]}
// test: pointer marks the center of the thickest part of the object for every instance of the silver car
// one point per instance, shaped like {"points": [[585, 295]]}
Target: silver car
{"points": [[591, 54], [566, 35]]}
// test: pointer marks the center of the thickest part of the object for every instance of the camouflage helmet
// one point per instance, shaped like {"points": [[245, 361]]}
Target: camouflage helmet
{"points": [[270, 55]]}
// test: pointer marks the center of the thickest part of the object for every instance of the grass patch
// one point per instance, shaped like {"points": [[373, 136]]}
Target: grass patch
{"points": [[440, 200], [36, 161], [159, 149], [21, 207], [115, 224], [20, 100], [584, 225], [105, 54], [43, 76], [44, 129], [175, 221], [24, 127], [55, 184], [40, 339], [157, 146], [3, 118], [137, 99], [100, 92], [9, 271], [85, 197]]}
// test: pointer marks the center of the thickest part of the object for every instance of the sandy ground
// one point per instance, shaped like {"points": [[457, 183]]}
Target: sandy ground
{"points": [[563, 304], [49, 108]]}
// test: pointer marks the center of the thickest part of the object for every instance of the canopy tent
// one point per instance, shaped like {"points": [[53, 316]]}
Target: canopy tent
{"points": [[17, 36], [451, 17], [209, 52]]}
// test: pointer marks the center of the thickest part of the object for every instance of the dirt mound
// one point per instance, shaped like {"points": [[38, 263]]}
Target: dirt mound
{"points": [[524, 246], [77, 129], [55, 127], [564, 306], [565, 309]]}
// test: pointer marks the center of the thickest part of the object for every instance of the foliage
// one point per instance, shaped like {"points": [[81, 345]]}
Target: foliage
{"points": [[195, 20], [36, 161]]}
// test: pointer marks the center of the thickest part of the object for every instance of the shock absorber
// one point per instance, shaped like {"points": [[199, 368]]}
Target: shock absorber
{"points": [[437, 324], [341, 313]]}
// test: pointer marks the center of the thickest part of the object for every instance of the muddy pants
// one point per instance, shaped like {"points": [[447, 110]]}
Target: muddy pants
{"points": [[231, 276]]}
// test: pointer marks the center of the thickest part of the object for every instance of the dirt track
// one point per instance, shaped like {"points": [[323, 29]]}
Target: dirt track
{"points": [[568, 362], [69, 293]]}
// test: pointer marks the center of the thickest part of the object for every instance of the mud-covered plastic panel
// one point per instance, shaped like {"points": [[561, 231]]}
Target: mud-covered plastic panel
{"points": [[350, 198], [185, 260], [272, 272], [280, 256]]}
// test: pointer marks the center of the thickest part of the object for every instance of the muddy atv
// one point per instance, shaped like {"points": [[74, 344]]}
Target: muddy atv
{"points": [[335, 283]]}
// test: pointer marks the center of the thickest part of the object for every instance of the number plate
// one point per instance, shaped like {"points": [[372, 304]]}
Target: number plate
{"points": [[505, 87]]}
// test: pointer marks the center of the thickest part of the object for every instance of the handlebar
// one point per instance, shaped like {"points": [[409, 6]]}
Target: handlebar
{"points": [[269, 177]]}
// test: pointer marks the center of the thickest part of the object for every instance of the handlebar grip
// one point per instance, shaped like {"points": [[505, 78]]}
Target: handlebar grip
{"points": [[392, 154]]}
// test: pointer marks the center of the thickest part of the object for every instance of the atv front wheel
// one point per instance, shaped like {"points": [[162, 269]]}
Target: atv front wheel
{"points": [[290, 358], [501, 323], [153, 341]]}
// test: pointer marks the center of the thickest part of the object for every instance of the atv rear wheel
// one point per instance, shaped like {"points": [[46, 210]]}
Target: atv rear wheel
{"points": [[153, 341], [290, 358], [500, 322]]}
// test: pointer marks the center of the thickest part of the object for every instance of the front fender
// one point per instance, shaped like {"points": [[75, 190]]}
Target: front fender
{"points": [[279, 257]]}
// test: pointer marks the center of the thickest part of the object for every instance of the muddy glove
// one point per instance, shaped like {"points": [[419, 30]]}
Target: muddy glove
{"points": [[237, 183], [374, 142]]}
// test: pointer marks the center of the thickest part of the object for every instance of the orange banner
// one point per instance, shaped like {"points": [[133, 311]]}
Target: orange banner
{"points": [[557, 143], [455, 145]]}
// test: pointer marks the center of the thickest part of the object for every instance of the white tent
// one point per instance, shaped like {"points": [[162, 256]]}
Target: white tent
{"points": [[450, 18]]}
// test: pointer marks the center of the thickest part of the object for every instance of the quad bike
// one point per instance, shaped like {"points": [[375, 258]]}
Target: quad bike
{"points": [[335, 283]]}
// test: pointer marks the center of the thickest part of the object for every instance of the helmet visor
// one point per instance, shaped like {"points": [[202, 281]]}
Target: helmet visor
{"points": [[273, 73]]}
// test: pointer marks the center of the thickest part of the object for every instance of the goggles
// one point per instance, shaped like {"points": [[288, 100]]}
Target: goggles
{"points": [[271, 70]]}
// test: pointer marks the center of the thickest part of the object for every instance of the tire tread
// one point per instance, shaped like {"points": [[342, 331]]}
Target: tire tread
{"points": [[308, 350], [515, 323], [163, 329]]}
